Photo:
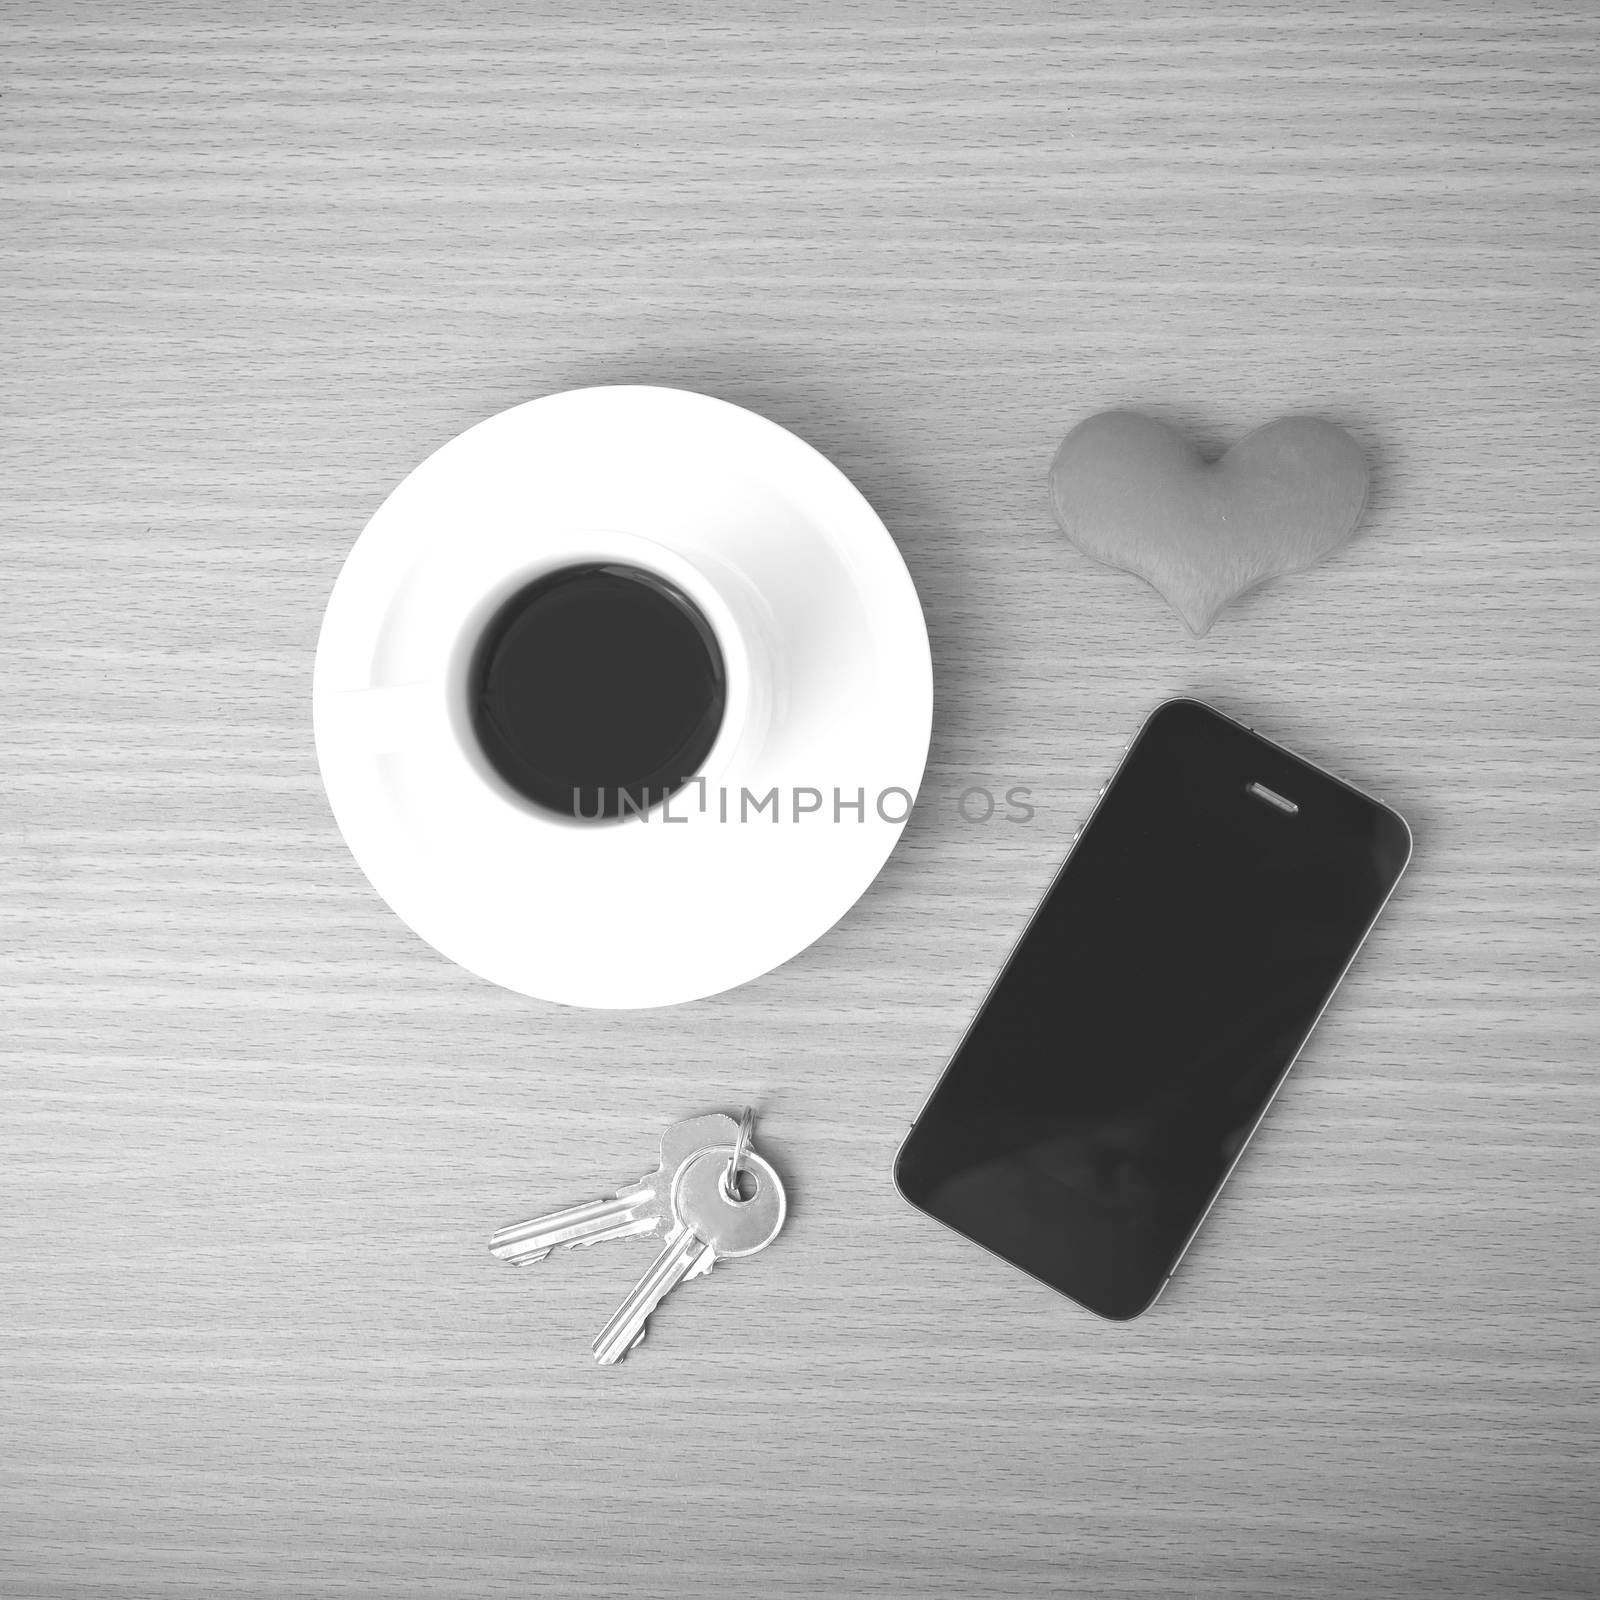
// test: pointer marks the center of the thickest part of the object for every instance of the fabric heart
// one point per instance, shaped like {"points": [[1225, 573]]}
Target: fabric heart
{"points": [[1129, 491]]}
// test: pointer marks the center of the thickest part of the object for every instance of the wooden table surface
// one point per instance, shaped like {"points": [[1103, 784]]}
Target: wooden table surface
{"points": [[253, 1133]]}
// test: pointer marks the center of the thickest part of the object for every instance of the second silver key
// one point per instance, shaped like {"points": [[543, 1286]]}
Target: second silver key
{"points": [[711, 1225], [640, 1209]]}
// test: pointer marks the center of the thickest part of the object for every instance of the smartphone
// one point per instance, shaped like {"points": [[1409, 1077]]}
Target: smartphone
{"points": [[1140, 1028]]}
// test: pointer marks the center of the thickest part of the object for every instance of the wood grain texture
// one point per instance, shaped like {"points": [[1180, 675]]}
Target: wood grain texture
{"points": [[253, 1134]]}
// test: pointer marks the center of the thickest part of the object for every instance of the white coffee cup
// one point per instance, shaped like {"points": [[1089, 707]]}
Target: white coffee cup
{"points": [[431, 710]]}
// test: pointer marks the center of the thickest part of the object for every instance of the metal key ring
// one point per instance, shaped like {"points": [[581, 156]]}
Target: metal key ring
{"points": [[730, 1179]]}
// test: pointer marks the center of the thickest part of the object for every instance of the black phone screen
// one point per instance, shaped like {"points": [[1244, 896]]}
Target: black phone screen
{"points": [[1142, 1024]]}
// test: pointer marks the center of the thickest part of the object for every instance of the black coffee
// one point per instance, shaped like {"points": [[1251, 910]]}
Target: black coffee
{"points": [[597, 687]]}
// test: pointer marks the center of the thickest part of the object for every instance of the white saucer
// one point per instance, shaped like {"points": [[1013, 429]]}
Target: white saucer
{"points": [[830, 688]]}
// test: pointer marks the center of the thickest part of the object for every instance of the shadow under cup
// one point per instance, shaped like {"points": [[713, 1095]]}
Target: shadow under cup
{"points": [[597, 689]]}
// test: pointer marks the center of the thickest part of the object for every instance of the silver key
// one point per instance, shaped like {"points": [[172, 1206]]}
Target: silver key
{"points": [[641, 1208], [710, 1226]]}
